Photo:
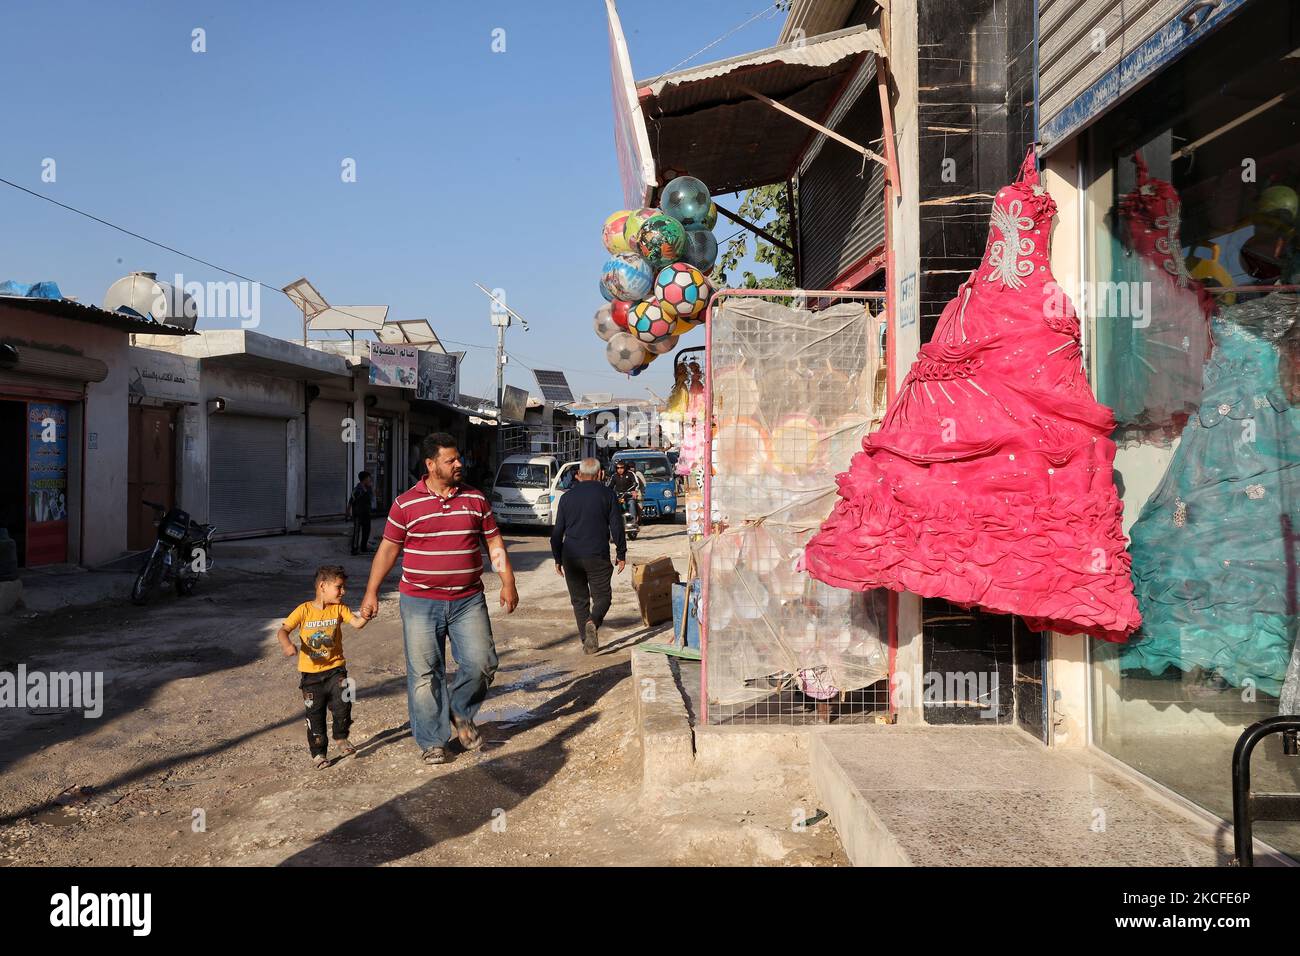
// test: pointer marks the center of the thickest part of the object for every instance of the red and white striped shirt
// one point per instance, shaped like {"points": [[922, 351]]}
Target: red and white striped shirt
{"points": [[441, 540]]}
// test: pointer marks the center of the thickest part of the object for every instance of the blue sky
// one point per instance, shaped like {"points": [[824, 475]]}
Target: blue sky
{"points": [[470, 165]]}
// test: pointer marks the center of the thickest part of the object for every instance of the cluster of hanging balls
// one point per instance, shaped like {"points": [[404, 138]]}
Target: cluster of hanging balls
{"points": [[654, 282]]}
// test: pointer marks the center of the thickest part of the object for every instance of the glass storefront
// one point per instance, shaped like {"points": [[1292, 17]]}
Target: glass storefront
{"points": [[1192, 263]]}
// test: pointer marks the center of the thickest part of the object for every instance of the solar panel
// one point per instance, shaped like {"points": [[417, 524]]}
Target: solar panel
{"points": [[554, 386]]}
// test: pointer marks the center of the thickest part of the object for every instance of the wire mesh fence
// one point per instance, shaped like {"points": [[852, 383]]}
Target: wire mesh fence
{"points": [[793, 391]]}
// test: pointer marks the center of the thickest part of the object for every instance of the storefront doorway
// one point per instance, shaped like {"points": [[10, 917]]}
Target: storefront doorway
{"points": [[379, 459], [151, 470], [13, 474]]}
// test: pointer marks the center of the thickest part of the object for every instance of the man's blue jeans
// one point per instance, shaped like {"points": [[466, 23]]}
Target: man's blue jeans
{"points": [[426, 623]]}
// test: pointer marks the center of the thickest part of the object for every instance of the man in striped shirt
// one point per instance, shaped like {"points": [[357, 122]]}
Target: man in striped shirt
{"points": [[439, 526]]}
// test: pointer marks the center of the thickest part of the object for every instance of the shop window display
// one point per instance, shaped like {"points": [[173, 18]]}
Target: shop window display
{"points": [[1195, 269]]}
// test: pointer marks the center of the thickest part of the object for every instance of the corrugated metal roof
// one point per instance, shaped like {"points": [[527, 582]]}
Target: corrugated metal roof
{"points": [[67, 309], [701, 122]]}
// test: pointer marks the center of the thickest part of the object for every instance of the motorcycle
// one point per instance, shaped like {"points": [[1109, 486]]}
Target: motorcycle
{"points": [[631, 519], [182, 543]]}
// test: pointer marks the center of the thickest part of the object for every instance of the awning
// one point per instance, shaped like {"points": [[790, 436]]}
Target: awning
{"points": [[68, 309], [723, 122]]}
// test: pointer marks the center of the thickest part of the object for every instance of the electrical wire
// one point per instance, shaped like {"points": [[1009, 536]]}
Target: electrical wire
{"points": [[724, 36]]}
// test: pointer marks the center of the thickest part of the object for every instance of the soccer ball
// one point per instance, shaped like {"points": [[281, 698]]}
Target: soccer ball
{"points": [[686, 199], [604, 323], [682, 290], [627, 277], [683, 326], [612, 234], [618, 313], [661, 240], [624, 352], [663, 346], [632, 225], [649, 323], [701, 249]]}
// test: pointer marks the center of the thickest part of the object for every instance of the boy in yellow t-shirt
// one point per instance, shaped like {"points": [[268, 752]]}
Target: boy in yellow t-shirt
{"points": [[324, 681]]}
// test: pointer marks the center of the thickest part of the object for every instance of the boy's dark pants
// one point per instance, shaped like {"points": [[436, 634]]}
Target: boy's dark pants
{"points": [[321, 691], [360, 533]]}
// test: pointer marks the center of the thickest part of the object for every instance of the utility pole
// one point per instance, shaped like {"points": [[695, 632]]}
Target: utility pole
{"points": [[501, 315]]}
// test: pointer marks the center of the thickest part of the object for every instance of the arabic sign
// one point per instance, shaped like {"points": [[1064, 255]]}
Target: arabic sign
{"points": [[163, 375], [47, 462], [439, 377], [395, 365]]}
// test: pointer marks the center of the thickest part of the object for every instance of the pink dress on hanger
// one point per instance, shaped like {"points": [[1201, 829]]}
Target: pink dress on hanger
{"points": [[990, 481]]}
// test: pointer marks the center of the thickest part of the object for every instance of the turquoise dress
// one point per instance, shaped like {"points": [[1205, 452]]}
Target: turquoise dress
{"points": [[1216, 549]]}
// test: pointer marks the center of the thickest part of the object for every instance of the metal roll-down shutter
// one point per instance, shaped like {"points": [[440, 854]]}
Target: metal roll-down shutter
{"points": [[247, 473]]}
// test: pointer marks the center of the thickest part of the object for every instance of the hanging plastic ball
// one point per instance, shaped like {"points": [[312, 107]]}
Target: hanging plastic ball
{"points": [[605, 293], [612, 234], [661, 240], [701, 249], [709, 220], [632, 226], [604, 323], [650, 357], [649, 322], [663, 346], [687, 200], [618, 313], [624, 352], [628, 277], [682, 290]]}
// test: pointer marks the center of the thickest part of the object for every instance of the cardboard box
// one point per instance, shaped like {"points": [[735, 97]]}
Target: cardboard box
{"points": [[653, 583]]}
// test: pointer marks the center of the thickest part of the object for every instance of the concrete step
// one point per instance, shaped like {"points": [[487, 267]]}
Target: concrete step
{"points": [[990, 796]]}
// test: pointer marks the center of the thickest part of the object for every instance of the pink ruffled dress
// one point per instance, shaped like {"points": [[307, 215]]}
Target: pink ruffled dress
{"points": [[990, 481]]}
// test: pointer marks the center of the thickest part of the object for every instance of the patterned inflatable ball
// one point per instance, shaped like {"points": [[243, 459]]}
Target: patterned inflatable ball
{"points": [[682, 290], [624, 352], [604, 323], [682, 326], [628, 277], [687, 200], [701, 249], [618, 313], [635, 220], [612, 234], [649, 323], [661, 240], [663, 346]]}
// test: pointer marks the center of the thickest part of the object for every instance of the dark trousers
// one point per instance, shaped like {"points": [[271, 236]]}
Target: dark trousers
{"points": [[360, 533], [321, 692], [588, 581]]}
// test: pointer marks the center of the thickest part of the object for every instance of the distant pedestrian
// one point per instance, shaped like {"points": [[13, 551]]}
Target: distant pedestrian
{"points": [[587, 520], [358, 511], [439, 528], [324, 680]]}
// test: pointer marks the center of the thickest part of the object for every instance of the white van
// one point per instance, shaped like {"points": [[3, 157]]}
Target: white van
{"points": [[528, 488]]}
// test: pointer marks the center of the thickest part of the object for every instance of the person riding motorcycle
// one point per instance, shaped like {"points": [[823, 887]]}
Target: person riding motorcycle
{"points": [[627, 485]]}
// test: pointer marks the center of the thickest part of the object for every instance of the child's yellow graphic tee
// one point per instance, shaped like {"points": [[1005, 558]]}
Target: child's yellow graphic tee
{"points": [[320, 636]]}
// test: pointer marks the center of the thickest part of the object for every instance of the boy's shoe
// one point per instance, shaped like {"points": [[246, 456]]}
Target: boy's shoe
{"points": [[467, 733], [345, 747], [320, 761], [435, 755], [590, 642]]}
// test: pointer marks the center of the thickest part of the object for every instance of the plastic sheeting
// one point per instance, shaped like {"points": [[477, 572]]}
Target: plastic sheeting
{"points": [[794, 392]]}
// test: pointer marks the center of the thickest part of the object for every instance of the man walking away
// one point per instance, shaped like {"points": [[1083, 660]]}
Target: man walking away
{"points": [[587, 520], [439, 526], [359, 512]]}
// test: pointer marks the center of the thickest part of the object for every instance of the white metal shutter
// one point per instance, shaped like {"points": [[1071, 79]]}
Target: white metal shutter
{"points": [[327, 459], [1072, 57], [247, 473]]}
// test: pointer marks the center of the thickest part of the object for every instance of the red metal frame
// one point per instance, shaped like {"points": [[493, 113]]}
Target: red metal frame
{"points": [[708, 458]]}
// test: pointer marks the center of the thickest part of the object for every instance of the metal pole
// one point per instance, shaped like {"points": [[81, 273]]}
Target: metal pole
{"points": [[501, 369]]}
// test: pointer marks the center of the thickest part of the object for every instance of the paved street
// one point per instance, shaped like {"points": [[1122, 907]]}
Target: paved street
{"points": [[202, 725]]}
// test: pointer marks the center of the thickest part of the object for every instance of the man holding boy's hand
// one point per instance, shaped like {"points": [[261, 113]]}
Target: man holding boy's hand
{"points": [[439, 526]]}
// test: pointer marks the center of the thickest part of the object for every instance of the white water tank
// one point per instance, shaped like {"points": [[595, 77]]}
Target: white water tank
{"points": [[162, 301]]}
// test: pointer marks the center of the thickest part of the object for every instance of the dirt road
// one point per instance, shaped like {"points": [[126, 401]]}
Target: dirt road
{"points": [[200, 754]]}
